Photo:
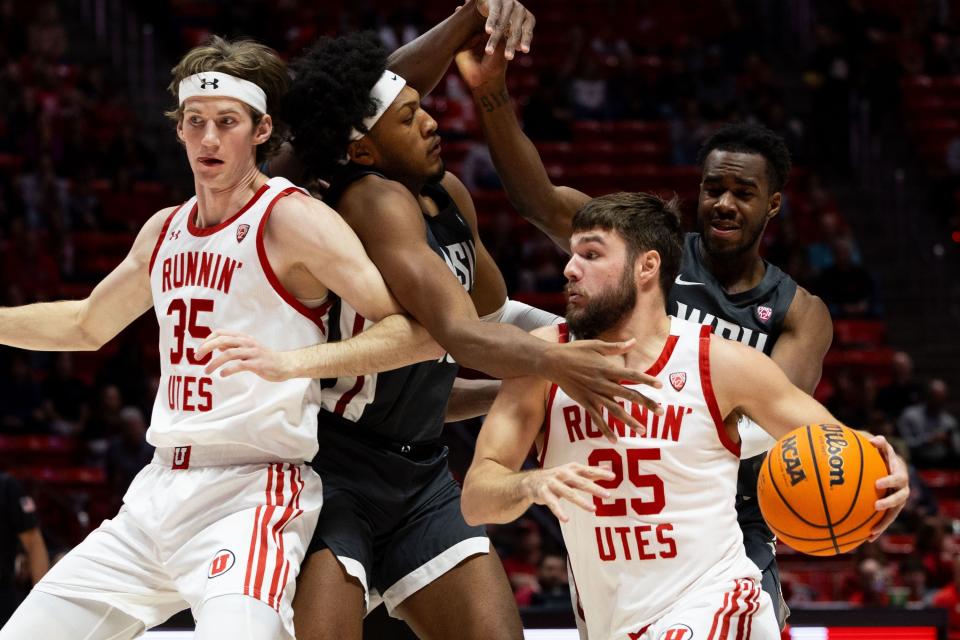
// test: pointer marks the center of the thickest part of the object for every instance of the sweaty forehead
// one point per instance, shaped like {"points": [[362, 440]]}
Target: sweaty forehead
{"points": [[735, 164], [213, 105]]}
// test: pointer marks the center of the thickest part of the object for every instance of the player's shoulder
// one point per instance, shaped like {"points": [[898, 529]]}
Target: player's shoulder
{"points": [[376, 192], [551, 332], [807, 313]]}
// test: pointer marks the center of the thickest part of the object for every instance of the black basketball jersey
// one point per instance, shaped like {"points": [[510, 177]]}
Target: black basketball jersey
{"points": [[406, 405], [753, 317]]}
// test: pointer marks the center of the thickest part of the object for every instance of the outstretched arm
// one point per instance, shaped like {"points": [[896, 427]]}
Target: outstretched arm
{"points": [[423, 61], [86, 325], [389, 222], [748, 382], [394, 342], [518, 163]]}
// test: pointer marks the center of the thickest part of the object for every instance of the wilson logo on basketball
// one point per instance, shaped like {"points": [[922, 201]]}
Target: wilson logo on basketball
{"points": [[678, 379], [836, 443], [677, 632], [222, 562], [242, 232], [764, 313]]}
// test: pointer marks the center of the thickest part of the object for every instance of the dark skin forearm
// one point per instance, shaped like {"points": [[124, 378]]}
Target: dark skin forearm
{"points": [[423, 61], [518, 163]]}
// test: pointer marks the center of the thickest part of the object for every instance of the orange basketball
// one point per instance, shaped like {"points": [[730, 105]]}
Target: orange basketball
{"points": [[817, 488]]}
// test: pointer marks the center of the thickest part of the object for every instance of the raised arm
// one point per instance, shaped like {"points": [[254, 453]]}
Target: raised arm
{"points": [[390, 223], [423, 61], [495, 490], [88, 324], [518, 163]]}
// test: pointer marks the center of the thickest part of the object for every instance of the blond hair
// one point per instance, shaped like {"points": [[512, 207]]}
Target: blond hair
{"points": [[243, 59]]}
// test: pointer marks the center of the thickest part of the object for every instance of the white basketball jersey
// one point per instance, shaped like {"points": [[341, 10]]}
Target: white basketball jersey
{"points": [[670, 524], [219, 278]]}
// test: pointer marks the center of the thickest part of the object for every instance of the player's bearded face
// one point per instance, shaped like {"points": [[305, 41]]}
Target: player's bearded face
{"points": [[605, 308]]}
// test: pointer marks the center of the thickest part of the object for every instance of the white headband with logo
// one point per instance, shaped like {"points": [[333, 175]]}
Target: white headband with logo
{"points": [[222, 85], [386, 90]]}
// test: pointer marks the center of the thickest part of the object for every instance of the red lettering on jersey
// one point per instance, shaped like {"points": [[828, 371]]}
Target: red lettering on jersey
{"points": [[200, 269], [639, 534], [672, 420], [571, 417], [191, 277], [592, 431], [206, 394], [206, 263], [631, 543], [189, 393], [166, 275], [226, 276], [607, 553], [664, 540]]}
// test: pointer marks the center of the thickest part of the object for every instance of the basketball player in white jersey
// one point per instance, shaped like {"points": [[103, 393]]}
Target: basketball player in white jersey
{"points": [[653, 538], [220, 520]]}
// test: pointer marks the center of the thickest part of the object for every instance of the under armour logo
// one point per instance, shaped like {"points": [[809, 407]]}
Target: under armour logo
{"points": [[215, 83], [175, 234]]}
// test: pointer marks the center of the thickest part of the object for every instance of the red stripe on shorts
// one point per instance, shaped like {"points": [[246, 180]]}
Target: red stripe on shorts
{"points": [[737, 594], [753, 603], [253, 546]]}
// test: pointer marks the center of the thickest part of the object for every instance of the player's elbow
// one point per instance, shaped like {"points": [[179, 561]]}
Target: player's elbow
{"points": [[86, 337], [470, 506]]}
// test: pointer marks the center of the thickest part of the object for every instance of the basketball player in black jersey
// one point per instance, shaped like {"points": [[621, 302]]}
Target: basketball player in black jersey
{"points": [[723, 279], [391, 525]]}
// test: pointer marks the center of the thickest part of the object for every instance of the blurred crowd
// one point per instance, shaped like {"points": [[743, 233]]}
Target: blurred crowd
{"points": [[77, 178]]}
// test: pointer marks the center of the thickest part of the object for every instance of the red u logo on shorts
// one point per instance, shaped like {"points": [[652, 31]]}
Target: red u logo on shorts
{"points": [[181, 458], [222, 562]]}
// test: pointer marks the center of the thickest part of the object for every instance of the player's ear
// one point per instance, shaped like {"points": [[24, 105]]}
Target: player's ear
{"points": [[773, 207], [264, 129], [647, 267], [180, 130], [360, 152]]}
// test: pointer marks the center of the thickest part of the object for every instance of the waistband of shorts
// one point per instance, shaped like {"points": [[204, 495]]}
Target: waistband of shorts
{"points": [[186, 457], [418, 451]]}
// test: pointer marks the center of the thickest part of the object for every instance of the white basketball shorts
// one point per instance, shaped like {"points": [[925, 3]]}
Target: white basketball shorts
{"points": [[194, 529]]}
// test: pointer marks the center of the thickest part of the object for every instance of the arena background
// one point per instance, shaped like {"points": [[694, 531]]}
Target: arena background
{"points": [[617, 95]]}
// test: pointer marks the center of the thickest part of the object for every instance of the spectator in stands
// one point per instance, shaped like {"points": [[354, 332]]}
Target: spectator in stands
{"points": [[847, 288], [913, 576], [931, 547], [477, 171], [127, 452], [949, 597], [104, 423], [589, 91], [66, 397], [930, 430], [523, 562], [547, 116], [554, 585], [18, 529], [869, 584], [21, 403], [903, 391]]}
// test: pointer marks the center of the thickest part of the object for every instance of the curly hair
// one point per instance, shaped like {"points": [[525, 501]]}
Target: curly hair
{"points": [[244, 59], [329, 96], [741, 137]]}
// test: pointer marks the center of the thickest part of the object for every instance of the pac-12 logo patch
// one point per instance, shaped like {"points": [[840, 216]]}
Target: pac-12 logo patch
{"points": [[222, 562], [678, 379], [242, 232], [764, 313], [677, 632]]}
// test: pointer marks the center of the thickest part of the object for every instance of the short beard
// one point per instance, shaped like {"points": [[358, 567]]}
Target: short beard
{"points": [[605, 310]]}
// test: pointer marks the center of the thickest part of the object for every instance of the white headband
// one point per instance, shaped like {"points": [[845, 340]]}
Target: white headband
{"points": [[214, 83], [386, 90]]}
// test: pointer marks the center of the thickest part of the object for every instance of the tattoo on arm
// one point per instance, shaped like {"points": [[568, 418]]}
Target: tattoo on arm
{"points": [[493, 101]]}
